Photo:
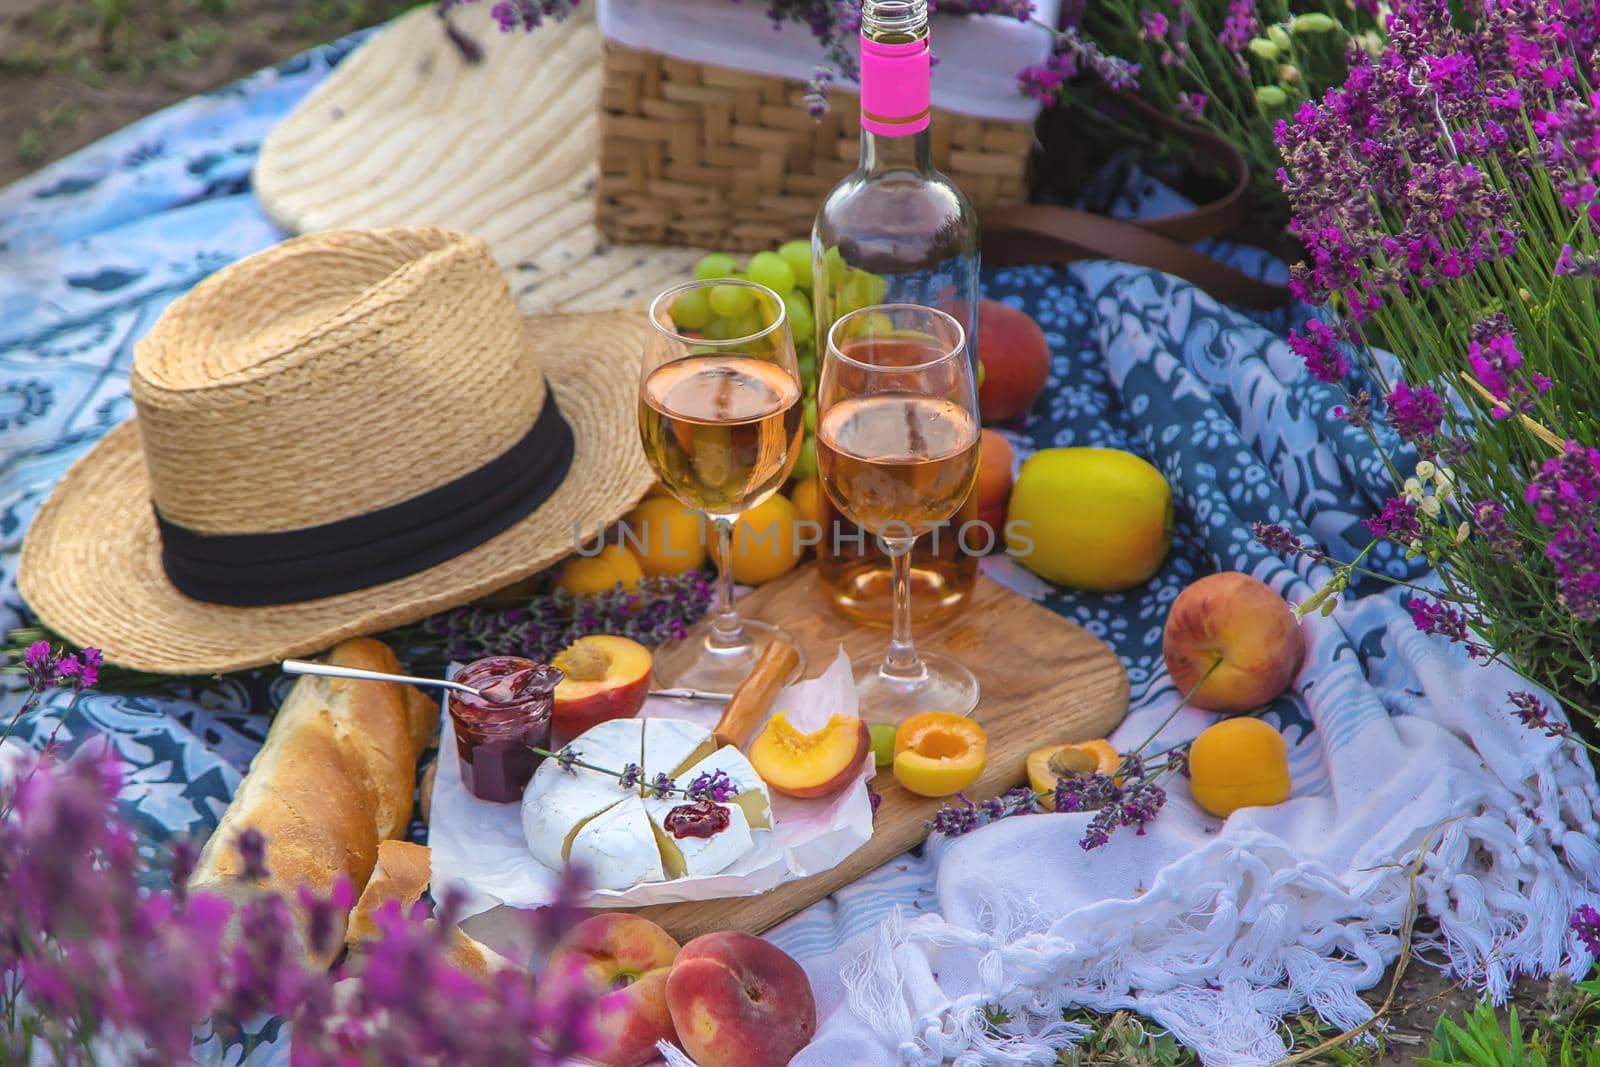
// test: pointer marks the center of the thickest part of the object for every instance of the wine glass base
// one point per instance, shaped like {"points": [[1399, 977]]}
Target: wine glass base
{"points": [[946, 685], [695, 663]]}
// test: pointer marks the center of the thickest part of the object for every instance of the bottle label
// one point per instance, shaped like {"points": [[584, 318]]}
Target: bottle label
{"points": [[895, 87]]}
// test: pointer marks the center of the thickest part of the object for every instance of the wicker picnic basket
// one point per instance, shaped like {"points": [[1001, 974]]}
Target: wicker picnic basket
{"points": [[717, 158]]}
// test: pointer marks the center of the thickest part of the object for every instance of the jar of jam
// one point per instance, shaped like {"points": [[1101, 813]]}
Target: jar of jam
{"points": [[496, 732]]}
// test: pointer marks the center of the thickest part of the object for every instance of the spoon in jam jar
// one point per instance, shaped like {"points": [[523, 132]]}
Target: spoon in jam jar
{"points": [[507, 689]]}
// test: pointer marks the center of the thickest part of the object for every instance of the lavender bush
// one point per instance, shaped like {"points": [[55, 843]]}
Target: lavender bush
{"points": [[1446, 194], [96, 969]]}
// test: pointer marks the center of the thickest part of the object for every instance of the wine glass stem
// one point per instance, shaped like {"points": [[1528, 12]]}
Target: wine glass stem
{"points": [[726, 630], [901, 661]]}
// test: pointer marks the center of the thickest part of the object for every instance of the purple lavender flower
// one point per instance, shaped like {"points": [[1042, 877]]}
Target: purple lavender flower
{"points": [[40, 664], [1141, 805], [1359, 413], [1154, 24], [1240, 25], [1072, 55], [816, 97], [1276, 538], [631, 775], [1496, 532], [955, 818], [1571, 263], [1535, 714], [1585, 924], [1099, 830], [567, 757], [526, 15], [1441, 620], [1397, 522], [714, 786], [182, 857], [1192, 106], [1566, 488], [1415, 413], [324, 914], [73, 673], [1564, 497], [1497, 364], [655, 611], [252, 848], [1320, 347]]}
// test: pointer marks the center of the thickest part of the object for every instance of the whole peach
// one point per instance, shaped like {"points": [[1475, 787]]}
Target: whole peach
{"points": [[624, 962], [1016, 361], [738, 1001], [1239, 624], [993, 491]]}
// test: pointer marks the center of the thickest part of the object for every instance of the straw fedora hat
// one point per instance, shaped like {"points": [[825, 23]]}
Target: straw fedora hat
{"points": [[346, 432]]}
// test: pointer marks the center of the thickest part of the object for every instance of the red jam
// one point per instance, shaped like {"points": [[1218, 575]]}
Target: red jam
{"points": [[700, 819], [493, 737]]}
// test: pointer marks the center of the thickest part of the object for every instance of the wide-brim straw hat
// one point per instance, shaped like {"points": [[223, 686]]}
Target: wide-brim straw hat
{"points": [[347, 432], [408, 130]]}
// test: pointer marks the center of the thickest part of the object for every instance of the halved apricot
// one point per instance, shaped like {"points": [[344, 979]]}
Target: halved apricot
{"points": [[1047, 764], [938, 753], [799, 764]]}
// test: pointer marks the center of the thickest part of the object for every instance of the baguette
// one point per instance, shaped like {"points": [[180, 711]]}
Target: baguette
{"points": [[403, 872], [334, 778]]}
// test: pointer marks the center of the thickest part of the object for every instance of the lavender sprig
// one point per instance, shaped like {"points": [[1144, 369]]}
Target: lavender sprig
{"points": [[714, 785], [1134, 800], [631, 775], [655, 611]]}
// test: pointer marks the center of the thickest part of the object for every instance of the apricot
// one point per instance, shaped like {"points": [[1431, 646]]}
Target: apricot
{"points": [[1047, 764], [1238, 763], [1237, 628], [739, 1001], [806, 496], [766, 541], [600, 572], [937, 753], [604, 677], [667, 538], [624, 962], [817, 764], [1016, 361]]}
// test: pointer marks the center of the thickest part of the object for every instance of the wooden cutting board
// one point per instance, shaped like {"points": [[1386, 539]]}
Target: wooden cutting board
{"points": [[1042, 679]]}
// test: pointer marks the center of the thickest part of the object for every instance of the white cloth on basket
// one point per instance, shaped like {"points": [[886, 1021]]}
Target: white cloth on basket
{"points": [[979, 55]]}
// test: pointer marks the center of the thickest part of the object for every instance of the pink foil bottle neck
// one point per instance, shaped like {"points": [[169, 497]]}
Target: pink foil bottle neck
{"points": [[896, 81]]}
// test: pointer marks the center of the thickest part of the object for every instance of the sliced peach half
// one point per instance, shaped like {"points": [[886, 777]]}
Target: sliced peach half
{"points": [[938, 753], [817, 764], [605, 677], [1047, 764]]}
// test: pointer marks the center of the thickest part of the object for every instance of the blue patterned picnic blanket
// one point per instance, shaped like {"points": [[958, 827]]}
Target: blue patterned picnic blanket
{"points": [[93, 248]]}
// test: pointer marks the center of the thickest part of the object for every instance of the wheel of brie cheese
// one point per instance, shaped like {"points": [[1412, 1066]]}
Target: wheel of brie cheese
{"points": [[621, 835]]}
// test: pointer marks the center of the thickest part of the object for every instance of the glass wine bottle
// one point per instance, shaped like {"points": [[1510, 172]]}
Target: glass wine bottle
{"points": [[896, 231]]}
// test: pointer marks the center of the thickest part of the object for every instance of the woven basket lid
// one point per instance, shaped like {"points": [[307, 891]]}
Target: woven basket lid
{"points": [[331, 378], [406, 132]]}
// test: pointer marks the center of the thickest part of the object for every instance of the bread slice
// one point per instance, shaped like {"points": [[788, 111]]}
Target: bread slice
{"points": [[402, 875]]}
